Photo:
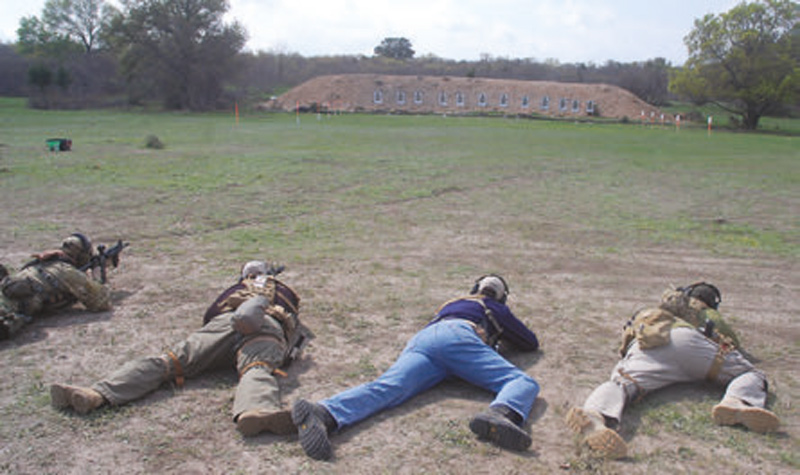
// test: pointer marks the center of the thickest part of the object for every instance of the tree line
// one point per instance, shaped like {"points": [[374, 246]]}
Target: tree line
{"points": [[183, 55]]}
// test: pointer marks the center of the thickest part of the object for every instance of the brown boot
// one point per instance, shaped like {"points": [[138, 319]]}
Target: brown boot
{"points": [[732, 411], [82, 400], [591, 426], [256, 421]]}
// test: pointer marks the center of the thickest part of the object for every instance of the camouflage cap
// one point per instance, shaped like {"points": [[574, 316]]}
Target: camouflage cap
{"points": [[77, 247]]}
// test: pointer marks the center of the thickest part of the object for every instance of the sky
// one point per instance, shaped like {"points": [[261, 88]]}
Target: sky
{"points": [[569, 31]]}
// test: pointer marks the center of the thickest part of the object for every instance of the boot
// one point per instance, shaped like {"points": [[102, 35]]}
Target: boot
{"points": [[594, 433], [314, 422], [255, 421], [82, 400], [11, 323], [496, 425], [732, 411]]}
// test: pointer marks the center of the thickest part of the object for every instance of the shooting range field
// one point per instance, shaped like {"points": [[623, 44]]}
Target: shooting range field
{"points": [[379, 220]]}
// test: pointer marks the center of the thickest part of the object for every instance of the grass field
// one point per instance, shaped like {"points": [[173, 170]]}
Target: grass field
{"points": [[379, 219]]}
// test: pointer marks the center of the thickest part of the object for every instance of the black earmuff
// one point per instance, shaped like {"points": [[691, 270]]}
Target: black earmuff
{"points": [[85, 244], [711, 297], [501, 298]]}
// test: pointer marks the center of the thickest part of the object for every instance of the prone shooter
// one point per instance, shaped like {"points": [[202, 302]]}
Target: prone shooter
{"points": [[56, 279]]}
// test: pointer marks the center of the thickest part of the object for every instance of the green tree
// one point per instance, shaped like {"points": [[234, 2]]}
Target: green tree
{"points": [[743, 61], [395, 48], [79, 20], [181, 48], [63, 78], [40, 76], [34, 39]]}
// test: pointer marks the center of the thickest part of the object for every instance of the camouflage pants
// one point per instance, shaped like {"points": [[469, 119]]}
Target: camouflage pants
{"points": [[215, 345], [687, 358]]}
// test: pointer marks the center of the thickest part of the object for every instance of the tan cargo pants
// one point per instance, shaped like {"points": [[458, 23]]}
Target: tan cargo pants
{"points": [[216, 345], [687, 358]]}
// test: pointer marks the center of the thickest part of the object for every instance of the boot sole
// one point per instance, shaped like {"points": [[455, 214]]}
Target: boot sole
{"points": [[84, 404], [502, 433], [64, 397], [59, 397], [577, 420], [754, 418], [311, 431], [605, 442], [279, 423]]}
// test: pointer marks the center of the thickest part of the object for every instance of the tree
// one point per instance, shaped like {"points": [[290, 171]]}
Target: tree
{"points": [[181, 48], [13, 70], [395, 48], [744, 60], [79, 20], [40, 76], [34, 39], [648, 80], [64, 27]]}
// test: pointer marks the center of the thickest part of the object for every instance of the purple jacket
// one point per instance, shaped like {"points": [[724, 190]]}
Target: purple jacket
{"points": [[514, 331]]}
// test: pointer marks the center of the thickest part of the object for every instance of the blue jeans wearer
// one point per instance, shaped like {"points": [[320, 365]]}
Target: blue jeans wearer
{"points": [[447, 348]]}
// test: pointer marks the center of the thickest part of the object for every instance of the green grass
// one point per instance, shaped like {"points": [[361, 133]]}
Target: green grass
{"points": [[312, 185]]}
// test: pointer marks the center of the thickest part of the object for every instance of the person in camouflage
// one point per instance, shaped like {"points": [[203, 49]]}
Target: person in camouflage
{"points": [[682, 340], [52, 281], [252, 326]]}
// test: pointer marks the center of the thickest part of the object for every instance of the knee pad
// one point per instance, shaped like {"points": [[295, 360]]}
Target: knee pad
{"points": [[249, 317]]}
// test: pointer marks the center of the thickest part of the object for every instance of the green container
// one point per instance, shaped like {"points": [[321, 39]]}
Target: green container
{"points": [[59, 145]]}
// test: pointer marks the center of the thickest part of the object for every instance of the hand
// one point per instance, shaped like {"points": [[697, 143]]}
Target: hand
{"points": [[47, 255]]}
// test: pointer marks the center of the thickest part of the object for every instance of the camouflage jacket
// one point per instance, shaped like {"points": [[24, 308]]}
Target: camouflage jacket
{"points": [[48, 286]]}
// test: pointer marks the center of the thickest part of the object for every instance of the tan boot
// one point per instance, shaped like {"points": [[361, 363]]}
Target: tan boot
{"points": [[82, 400], [732, 411], [591, 426], [256, 421]]}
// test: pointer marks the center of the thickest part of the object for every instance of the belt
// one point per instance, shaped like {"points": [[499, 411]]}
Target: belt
{"points": [[477, 328]]}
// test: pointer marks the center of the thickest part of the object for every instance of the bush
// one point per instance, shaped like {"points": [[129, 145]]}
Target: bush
{"points": [[154, 142]]}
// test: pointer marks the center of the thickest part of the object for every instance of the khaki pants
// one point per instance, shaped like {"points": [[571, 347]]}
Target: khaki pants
{"points": [[688, 357], [215, 345]]}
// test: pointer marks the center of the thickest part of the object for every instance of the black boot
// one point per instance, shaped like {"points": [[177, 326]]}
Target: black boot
{"points": [[12, 323], [500, 425], [314, 422]]}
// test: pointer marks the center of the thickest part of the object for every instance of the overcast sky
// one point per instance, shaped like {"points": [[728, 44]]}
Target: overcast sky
{"points": [[590, 31]]}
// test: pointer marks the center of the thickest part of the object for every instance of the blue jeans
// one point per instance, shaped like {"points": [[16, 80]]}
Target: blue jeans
{"points": [[447, 348]]}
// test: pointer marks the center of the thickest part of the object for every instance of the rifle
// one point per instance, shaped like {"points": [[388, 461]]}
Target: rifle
{"points": [[103, 255]]}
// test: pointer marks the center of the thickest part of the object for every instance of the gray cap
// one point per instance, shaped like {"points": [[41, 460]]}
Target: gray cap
{"points": [[254, 268], [495, 284]]}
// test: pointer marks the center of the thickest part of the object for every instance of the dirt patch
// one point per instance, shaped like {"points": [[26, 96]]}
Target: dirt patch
{"points": [[575, 298], [450, 95]]}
